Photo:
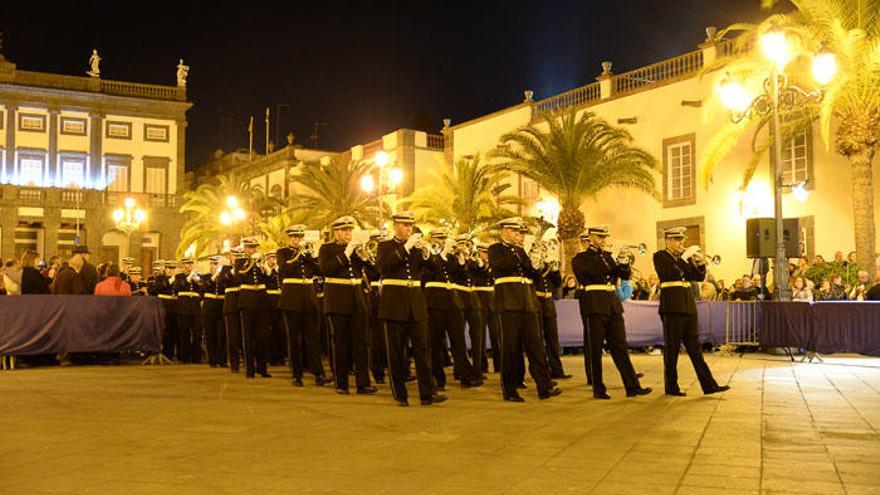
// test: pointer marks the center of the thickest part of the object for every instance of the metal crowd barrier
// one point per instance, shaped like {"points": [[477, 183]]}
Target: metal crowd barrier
{"points": [[741, 324]]}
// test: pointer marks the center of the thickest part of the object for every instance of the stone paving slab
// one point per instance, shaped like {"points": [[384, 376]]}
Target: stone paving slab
{"points": [[783, 428]]}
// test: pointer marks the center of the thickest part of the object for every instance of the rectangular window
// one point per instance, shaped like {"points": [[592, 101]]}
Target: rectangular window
{"points": [[530, 190], [30, 171], [117, 178], [679, 185], [2, 119], [31, 122], [157, 133], [118, 130], [796, 157], [156, 180], [72, 172], [73, 126]]}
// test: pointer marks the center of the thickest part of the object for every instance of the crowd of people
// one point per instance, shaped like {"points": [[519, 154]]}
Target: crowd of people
{"points": [[75, 275]]}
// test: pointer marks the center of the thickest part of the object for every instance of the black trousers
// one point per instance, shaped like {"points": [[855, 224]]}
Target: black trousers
{"points": [[378, 357], [302, 331], [233, 340], [277, 337], [493, 321], [254, 338], [520, 330], [443, 322], [215, 338], [678, 328], [476, 323], [550, 332], [585, 321], [169, 335], [397, 333], [348, 334], [610, 329], [189, 338]]}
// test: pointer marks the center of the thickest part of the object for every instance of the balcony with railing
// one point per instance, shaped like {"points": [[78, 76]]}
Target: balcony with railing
{"points": [[575, 98], [98, 85], [55, 197], [673, 69], [435, 141]]}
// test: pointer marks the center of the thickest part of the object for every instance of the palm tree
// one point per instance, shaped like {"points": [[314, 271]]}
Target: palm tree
{"points": [[204, 204], [331, 190], [574, 159], [467, 196], [851, 30]]}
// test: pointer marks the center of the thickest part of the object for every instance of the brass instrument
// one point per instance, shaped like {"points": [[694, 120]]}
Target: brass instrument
{"points": [[422, 245], [702, 259], [640, 248], [308, 249]]}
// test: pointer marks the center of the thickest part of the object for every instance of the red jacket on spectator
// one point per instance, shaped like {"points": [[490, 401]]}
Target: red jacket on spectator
{"points": [[112, 286]]}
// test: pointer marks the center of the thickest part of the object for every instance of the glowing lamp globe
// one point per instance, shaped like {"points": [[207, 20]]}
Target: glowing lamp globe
{"points": [[733, 95], [775, 47], [231, 201], [118, 215], [381, 158], [140, 216], [824, 66], [225, 218], [395, 176], [367, 183]]}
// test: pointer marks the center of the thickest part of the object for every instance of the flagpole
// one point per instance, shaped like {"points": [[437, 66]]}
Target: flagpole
{"points": [[251, 139], [267, 131]]}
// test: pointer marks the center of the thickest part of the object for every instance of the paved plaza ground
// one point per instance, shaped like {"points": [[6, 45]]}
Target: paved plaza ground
{"points": [[782, 428]]}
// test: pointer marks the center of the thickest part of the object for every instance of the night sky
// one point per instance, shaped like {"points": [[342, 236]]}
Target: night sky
{"points": [[362, 68]]}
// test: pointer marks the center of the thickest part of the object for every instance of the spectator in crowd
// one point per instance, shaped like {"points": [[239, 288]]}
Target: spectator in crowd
{"points": [[32, 281], [858, 292], [708, 290], [763, 291], [569, 287], [823, 293], [112, 285], [838, 290], [838, 257], [746, 291], [873, 293], [12, 277], [624, 289], [818, 260], [723, 291], [851, 257], [51, 268], [799, 289], [654, 287], [88, 271], [641, 291], [69, 280], [802, 266]]}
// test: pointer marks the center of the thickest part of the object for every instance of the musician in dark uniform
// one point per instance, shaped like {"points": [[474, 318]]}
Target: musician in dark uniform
{"points": [[253, 309], [518, 310], [547, 280], [484, 287], [277, 340], [126, 264], [187, 289], [212, 315], [137, 285], [677, 267], [472, 307], [378, 359], [298, 268], [345, 307], [597, 272], [403, 309], [445, 315], [230, 282], [161, 287]]}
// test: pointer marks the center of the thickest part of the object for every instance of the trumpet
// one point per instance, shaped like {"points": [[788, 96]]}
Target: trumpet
{"points": [[308, 249], [702, 259], [641, 248]]}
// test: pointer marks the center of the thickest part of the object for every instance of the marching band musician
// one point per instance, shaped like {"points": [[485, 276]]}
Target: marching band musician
{"points": [[212, 315], [517, 306], [277, 337], [187, 290], [138, 286], [298, 268], [484, 287], [375, 334], [677, 267], [445, 315], [253, 309], [127, 262], [230, 282], [472, 307], [403, 310], [345, 307], [584, 239], [597, 271], [161, 287], [547, 280]]}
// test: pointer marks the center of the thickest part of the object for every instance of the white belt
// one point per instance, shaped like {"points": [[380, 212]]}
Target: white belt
{"points": [[298, 281], [512, 280], [483, 289], [400, 282], [596, 287], [231, 289], [187, 294], [167, 297], [273, 292], [664, 285], [252, 287], [342, 281], [213, 296]]}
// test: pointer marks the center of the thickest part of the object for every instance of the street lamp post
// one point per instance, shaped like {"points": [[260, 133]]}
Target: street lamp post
{"points": [[386, 177], [233, 213], [129, 218], [777, 94]]}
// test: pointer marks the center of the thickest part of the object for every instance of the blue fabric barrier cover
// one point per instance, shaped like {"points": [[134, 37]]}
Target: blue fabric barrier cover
{"points": [[826, 327], [46, 324]]}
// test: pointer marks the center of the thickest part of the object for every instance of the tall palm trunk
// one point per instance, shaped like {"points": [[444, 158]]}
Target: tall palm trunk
{"points": [[570, 224], [569, 250], [863, 208]]}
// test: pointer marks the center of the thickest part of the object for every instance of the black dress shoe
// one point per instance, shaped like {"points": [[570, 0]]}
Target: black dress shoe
{"points": [[297, 382], [603, 396], [562, 377], [720, 388], [441, 388], [401, 403], [368, 390], [234, 369], [471, 383], [380, 380], [434, 399], [249, 375], [553, 392], [409, 378], [522, 386], [514, 398], [342, 391], [639, 391], [677, 394], [323, 380], [640, 375], [553, 383], [265, 374]]}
